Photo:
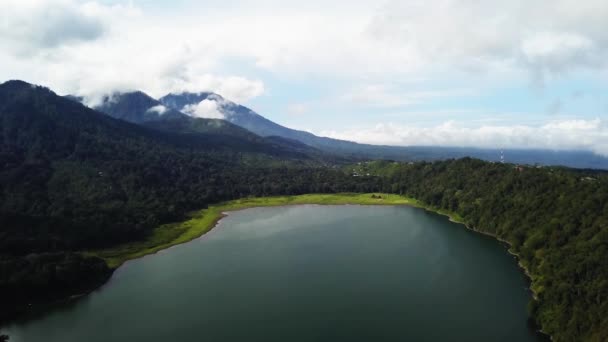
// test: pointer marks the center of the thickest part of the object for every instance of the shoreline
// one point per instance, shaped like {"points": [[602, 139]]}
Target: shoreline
{"points": [[211, 216], [509, 245], [202, 221]]}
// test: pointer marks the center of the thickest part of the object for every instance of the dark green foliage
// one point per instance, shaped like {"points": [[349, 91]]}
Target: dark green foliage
{"points": [[45, 277]]}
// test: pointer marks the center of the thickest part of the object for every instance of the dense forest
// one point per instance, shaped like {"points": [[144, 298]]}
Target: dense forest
{"points": [[72, 179]]}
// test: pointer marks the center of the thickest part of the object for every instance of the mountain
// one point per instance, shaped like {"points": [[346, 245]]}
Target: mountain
{"points": [[250, 120], [135, 107], [139, 108], [236, 114]]}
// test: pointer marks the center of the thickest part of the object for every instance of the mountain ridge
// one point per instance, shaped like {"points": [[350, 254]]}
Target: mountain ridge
{"points": [[256, 123], [139, 108]]}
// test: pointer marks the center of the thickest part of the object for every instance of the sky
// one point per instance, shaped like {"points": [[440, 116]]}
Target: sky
{"points": [[496, 74]]}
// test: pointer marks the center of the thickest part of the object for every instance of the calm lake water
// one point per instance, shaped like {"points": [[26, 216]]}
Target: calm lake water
{"points": [[308, 273]]}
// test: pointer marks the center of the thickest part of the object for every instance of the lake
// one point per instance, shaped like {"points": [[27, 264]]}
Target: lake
{"points": [[308, 273]]}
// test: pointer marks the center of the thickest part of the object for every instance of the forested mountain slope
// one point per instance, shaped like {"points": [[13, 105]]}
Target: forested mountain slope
{"points": [[137, 107]]}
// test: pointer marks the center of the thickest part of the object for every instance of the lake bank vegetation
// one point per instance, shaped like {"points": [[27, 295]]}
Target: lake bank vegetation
{"points": [[202, 221]]}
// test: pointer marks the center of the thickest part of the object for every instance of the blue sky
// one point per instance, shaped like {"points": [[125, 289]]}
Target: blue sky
{"points": [[448, 72]]}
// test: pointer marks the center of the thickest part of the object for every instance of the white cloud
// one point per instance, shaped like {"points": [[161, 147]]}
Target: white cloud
{"points": [[184, 50], [553, 53], [566, 134], [83, 48], [205, 109], [546, 37], [31, 27], [158, 109], [176, 48], [237, 89]]}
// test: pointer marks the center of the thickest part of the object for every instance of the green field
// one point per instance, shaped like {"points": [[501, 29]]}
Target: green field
{"points": [[204, 220]]}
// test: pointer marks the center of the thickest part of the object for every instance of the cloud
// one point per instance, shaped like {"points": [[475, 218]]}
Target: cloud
{"points": [[369, 41], [565, 134], [81, 48], [557, 51], [158, 109], [541, 36], [205, 109], [28, 26], [234, 88]]}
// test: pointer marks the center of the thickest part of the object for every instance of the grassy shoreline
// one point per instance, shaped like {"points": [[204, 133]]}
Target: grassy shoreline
{"points": [[202, 221]]}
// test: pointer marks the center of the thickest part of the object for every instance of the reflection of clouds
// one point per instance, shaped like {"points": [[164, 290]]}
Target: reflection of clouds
{"points": [[263, 222]]}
